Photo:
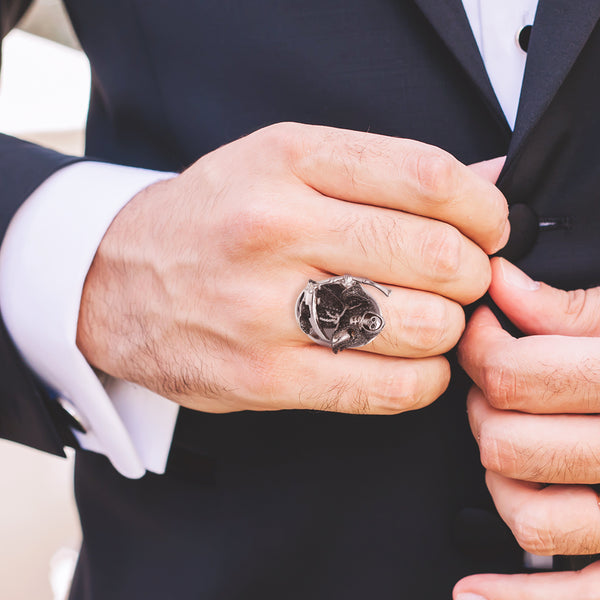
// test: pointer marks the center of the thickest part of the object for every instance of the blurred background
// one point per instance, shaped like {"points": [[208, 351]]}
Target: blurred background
{"points": [[44, 91]]}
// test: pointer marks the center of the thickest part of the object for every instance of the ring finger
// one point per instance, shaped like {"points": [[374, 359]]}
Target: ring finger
{"points": [[417, 324]]}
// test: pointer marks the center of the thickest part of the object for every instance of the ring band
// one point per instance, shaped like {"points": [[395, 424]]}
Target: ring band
{"points": [[338, 313]]}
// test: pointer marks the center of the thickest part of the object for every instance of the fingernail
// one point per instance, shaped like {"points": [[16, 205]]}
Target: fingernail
{"points": [[516, 278], [469, 596]]}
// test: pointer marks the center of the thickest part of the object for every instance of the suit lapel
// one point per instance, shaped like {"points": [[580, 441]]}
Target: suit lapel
{"points": [[560, 31], [450, 21]]}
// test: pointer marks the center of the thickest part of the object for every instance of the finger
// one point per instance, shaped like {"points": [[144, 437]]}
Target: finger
{"points": [[536, 374], [538, 448], [314, 378], [537, 308], [417, 324], [557, 519], [396, 248], [489, 169], [404, 175], [569, 585]]}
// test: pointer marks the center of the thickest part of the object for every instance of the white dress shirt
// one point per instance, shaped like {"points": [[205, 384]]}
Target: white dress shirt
{"points": [[52, 239], [496, 25]]}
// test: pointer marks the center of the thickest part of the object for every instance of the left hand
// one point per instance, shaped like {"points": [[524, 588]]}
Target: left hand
{"points": [[533, 412]]}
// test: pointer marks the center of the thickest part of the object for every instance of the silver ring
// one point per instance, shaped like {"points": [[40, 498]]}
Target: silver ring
{"points": [[338, 313]]}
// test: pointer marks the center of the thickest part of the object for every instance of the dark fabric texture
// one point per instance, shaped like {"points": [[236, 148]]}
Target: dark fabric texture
{"points": [[298, 504], [27, 414]]}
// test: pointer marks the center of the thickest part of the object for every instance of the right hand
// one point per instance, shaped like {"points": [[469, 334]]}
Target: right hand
{"points": [[192, 291]]}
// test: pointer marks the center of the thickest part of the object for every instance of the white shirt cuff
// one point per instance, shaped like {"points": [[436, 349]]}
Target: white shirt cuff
{"points": [[44, 260]]}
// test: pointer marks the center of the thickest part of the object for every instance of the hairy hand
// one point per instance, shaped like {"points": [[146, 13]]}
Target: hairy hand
{"points": [[192, 291], [533, 411]]}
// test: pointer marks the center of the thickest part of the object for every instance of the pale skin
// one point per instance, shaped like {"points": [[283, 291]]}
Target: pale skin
{"points": [[192, 291], [534, 412], [192, 294]]}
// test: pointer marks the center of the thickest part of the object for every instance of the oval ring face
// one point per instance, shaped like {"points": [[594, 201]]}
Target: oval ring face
{"points": [[338, 312]]}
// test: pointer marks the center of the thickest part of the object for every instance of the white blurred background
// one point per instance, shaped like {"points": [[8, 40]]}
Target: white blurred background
{"points": [[44, 90]]}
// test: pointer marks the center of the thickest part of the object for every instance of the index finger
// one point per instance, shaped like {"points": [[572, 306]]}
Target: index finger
{"points": [[404, 175]]}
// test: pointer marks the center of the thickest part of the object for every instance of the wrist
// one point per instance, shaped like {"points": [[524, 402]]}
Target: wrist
{"points": [[109, 330]]}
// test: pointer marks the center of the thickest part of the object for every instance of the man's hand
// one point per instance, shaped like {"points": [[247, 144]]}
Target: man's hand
{"points": [[534, 414], [533, 410], [192, 291]]}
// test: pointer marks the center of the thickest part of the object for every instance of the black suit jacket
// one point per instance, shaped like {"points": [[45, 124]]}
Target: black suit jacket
{"points": [[298, 504]]}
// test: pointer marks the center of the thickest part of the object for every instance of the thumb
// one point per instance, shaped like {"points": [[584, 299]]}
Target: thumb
{"points": [[537, 308], [489, 169], [540, 586]]}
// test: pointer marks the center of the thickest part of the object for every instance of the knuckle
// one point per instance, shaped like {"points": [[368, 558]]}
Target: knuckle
{"points": [[575, 302], [500, 384], [280, 139], [436, 175], [251, 227], [210, 175], [258, 227], [578, 308], [433, 328], [441, 250], [533, 539], [496, 455], [531, 532]]}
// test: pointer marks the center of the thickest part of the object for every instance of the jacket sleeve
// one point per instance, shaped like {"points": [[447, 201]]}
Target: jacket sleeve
{"points": [[28, 413]]}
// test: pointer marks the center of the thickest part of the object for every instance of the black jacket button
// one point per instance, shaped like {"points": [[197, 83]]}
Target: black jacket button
{"points": [[524, 228]]}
